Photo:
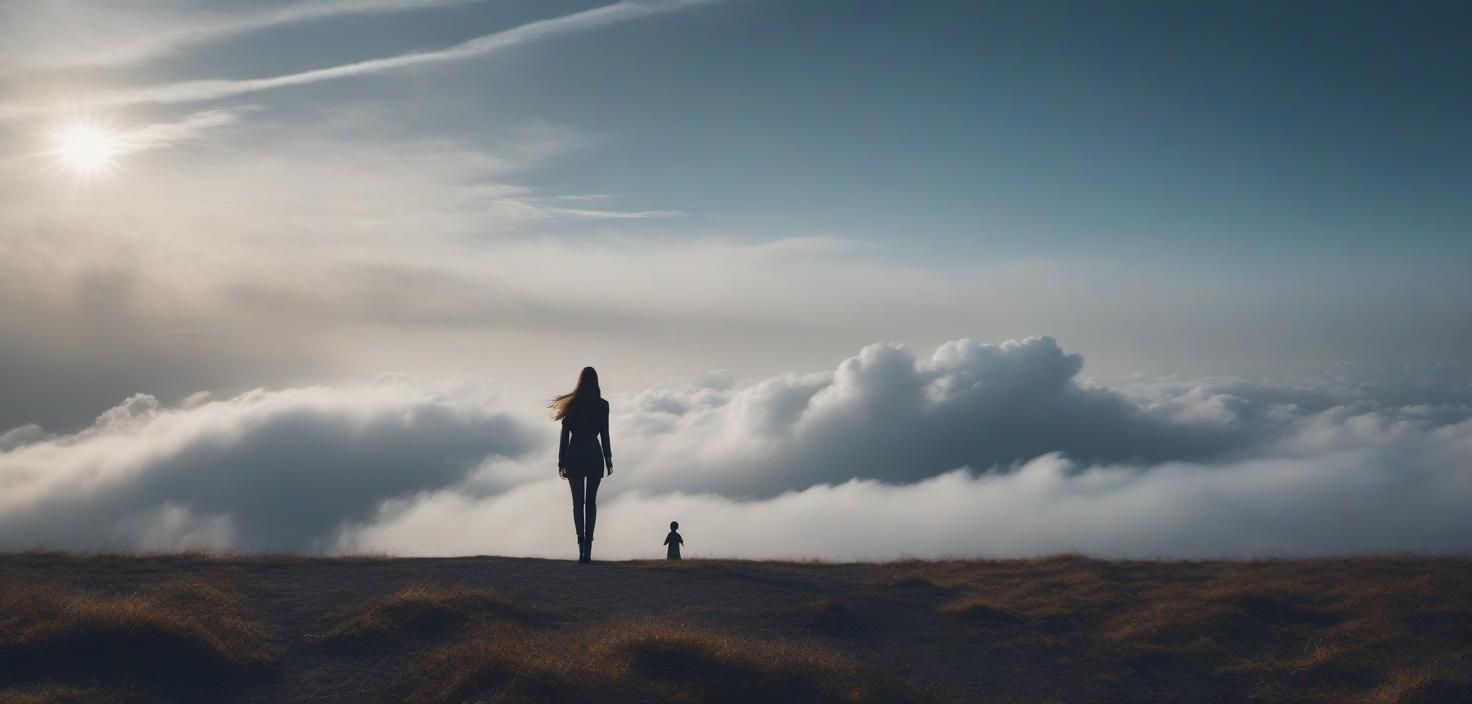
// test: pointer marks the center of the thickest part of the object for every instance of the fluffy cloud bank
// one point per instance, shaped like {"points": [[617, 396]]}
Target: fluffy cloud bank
{"points": [[883, 414], [262, 471], [975, 449]]}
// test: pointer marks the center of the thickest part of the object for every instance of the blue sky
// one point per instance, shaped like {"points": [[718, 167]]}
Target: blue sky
{"points": [[1238, 188], [1331, 133]]}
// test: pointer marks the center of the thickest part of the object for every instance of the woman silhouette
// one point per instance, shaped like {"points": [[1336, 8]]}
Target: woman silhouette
{"points": [[584, 416]]}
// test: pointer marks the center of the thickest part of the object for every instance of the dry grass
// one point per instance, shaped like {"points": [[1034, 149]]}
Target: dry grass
{"points": [[975, 607], [184, 622], [644, 661], [61, 694], [1363, 630], [427, 609], [827, 615]]}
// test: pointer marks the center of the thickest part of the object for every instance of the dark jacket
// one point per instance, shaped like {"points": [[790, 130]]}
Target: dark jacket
{"points": [[579, 452]]}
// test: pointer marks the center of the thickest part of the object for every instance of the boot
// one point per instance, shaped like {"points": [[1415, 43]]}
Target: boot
{"points": [[586, 555], [581, 551]]}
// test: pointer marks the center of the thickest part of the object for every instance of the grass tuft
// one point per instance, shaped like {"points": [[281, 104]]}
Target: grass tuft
{"points": [[182, 622], [62, 694], [1362, 630], [646, 661], [828, 615], [427, 610], [980, 609]]}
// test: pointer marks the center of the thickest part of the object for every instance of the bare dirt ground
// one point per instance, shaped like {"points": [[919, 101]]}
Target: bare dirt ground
{"points": [[195, 628]]}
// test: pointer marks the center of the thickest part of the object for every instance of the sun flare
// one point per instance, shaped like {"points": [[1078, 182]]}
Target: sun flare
{"points": [[87, 149]]}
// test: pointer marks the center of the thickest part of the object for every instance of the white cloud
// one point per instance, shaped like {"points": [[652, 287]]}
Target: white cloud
{"points": [[191, 127], [261, 471], [1387, 490], [614, 214], [171, 527], [1324, 504], [973, 450], [885, 414]]}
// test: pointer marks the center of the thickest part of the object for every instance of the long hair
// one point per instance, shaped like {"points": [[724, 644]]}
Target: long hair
{"points": [[586, 392]]}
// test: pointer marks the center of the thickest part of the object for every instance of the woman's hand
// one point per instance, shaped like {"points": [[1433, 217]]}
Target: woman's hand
{"points": [[562, 472], [610, 469]]}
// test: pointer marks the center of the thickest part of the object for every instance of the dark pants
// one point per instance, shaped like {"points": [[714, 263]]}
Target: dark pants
{"points": [[584, 503]]}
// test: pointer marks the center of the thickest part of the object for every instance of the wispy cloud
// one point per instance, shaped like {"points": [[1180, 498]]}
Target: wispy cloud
{"points": [[190, 128], [614, 214], [585, 207], [158, 34], [203, 90]]}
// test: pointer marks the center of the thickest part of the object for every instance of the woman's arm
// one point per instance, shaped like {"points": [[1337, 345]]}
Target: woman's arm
{"points": [[607, 445], [562, 450]]}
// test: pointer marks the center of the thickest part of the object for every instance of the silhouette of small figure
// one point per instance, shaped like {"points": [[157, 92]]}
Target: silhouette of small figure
{"points": [[674, 541]]}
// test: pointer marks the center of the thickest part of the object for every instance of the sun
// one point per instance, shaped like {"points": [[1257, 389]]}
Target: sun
{"points": [[86, 148]]}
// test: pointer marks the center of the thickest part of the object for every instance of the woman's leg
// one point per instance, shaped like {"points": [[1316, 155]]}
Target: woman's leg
{"points": [[591, 505], [576, 483]]}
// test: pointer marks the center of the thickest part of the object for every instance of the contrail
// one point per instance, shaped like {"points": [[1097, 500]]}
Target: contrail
{"points": [[201, 31], [196, 91]]}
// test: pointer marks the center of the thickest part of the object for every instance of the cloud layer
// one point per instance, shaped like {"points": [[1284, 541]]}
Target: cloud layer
{"points": [[261, 471], [883, 414], [975, 449]]}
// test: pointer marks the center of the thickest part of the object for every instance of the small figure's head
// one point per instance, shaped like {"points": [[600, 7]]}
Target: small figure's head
{"points": [[674, 525]]}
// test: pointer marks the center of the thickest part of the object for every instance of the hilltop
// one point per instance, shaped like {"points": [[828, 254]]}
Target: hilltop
{"points": [[182, 628]]}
